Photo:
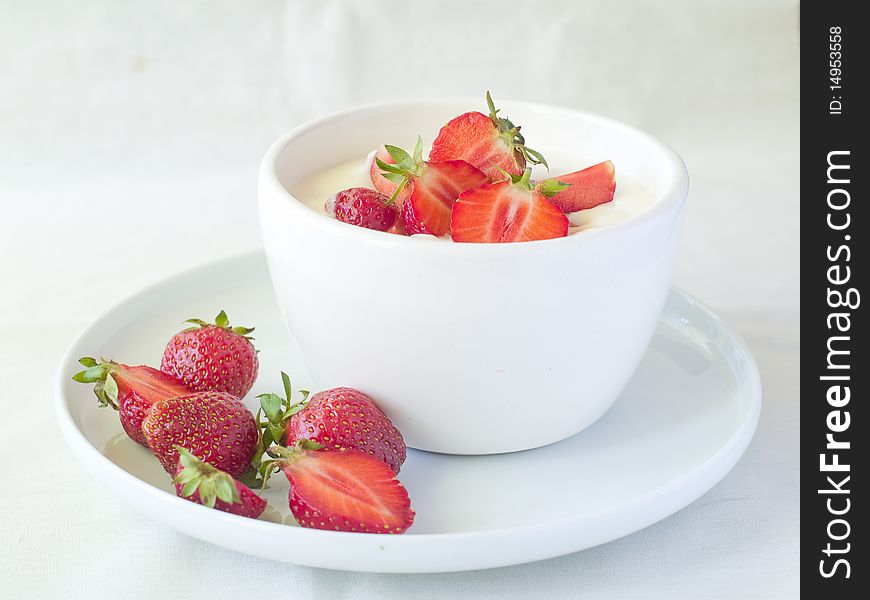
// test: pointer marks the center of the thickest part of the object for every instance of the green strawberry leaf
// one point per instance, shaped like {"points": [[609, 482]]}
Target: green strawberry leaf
{"points": [[403, 160], [222, 320], [288, 389], [534, 157], [272, 407], [394, 177], [418, 151], [110, 389], [388, 168], [551, 187]]}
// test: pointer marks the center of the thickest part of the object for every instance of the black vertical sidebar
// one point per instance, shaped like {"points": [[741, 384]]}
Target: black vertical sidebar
{"points": [[835, 222]]}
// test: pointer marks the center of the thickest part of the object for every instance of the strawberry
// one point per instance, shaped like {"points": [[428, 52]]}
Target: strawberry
{"points": [[200, 482], [343, 491], [213, 358], [588, 188], [363, 207], [509, 211], [339, 419], [434, 188], [129, 390], [381, 183], [215, 426], [488, 142]]}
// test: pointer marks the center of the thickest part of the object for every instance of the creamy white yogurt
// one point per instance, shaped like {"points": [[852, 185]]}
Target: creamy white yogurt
{"points": [[630, 199]]}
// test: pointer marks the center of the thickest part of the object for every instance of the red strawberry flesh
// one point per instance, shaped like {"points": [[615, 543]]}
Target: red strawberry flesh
{"points": [[346, 491], [140, 387], [491, 143], [472, 137], [588, 188], [129, 389], [506, 212], [433, 192]]}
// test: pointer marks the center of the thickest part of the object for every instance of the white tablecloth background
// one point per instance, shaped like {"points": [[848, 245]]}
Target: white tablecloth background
{"points": [[130, 135]]}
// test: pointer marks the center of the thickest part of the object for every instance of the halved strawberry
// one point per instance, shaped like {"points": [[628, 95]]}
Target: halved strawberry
{"points": [[488, 142], [344, 490], [381, 183], [509, 211], [588, 188], [131, 390], [434, 186]]}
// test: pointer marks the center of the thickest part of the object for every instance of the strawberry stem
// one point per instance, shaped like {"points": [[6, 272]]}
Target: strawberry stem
{"points": [[398, 191]]}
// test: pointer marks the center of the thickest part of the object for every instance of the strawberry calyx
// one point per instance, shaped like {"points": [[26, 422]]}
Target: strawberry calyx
{"points": [[510, 133], [100, 373], [281, 456], [406, 167], [548, 187], [212, 484], [222, 321], [278, 411]]}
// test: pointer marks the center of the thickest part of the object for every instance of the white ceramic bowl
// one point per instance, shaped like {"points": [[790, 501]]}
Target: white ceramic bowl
{"points": [[472, 348]]}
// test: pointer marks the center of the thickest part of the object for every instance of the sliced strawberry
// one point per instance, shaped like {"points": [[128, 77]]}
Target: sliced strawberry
{"points": [[344, 490], [434, 186], [488, 142], [199, 482], [508, 211], [363, 207], [381, 183], [131, 390], [433, 192], [588, 188]]}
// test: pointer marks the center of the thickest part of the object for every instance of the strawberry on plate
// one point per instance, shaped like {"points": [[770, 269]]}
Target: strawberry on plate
{"points": [[489, 142], [215, 426], [340, 418], [363, 207], [345, 490], [212, 357], [199, 482], [509, 211], [434, 186], [587, 188], [131, 390]]}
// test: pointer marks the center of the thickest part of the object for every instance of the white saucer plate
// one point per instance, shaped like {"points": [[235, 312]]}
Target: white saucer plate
{"points": [[684, 420]]}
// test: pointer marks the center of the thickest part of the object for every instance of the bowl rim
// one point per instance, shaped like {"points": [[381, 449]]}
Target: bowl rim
{"points": [[673, 198]]}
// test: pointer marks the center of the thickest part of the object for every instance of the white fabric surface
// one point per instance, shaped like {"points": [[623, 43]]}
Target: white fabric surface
{"points": [[130, 135]]}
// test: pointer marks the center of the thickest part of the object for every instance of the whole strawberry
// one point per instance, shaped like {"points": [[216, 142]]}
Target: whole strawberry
{"points": [[213, 357], [129, 390], [215, 426], [343, 491], [363, 207], [340, 418], [199, 482], [489, 142]]}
